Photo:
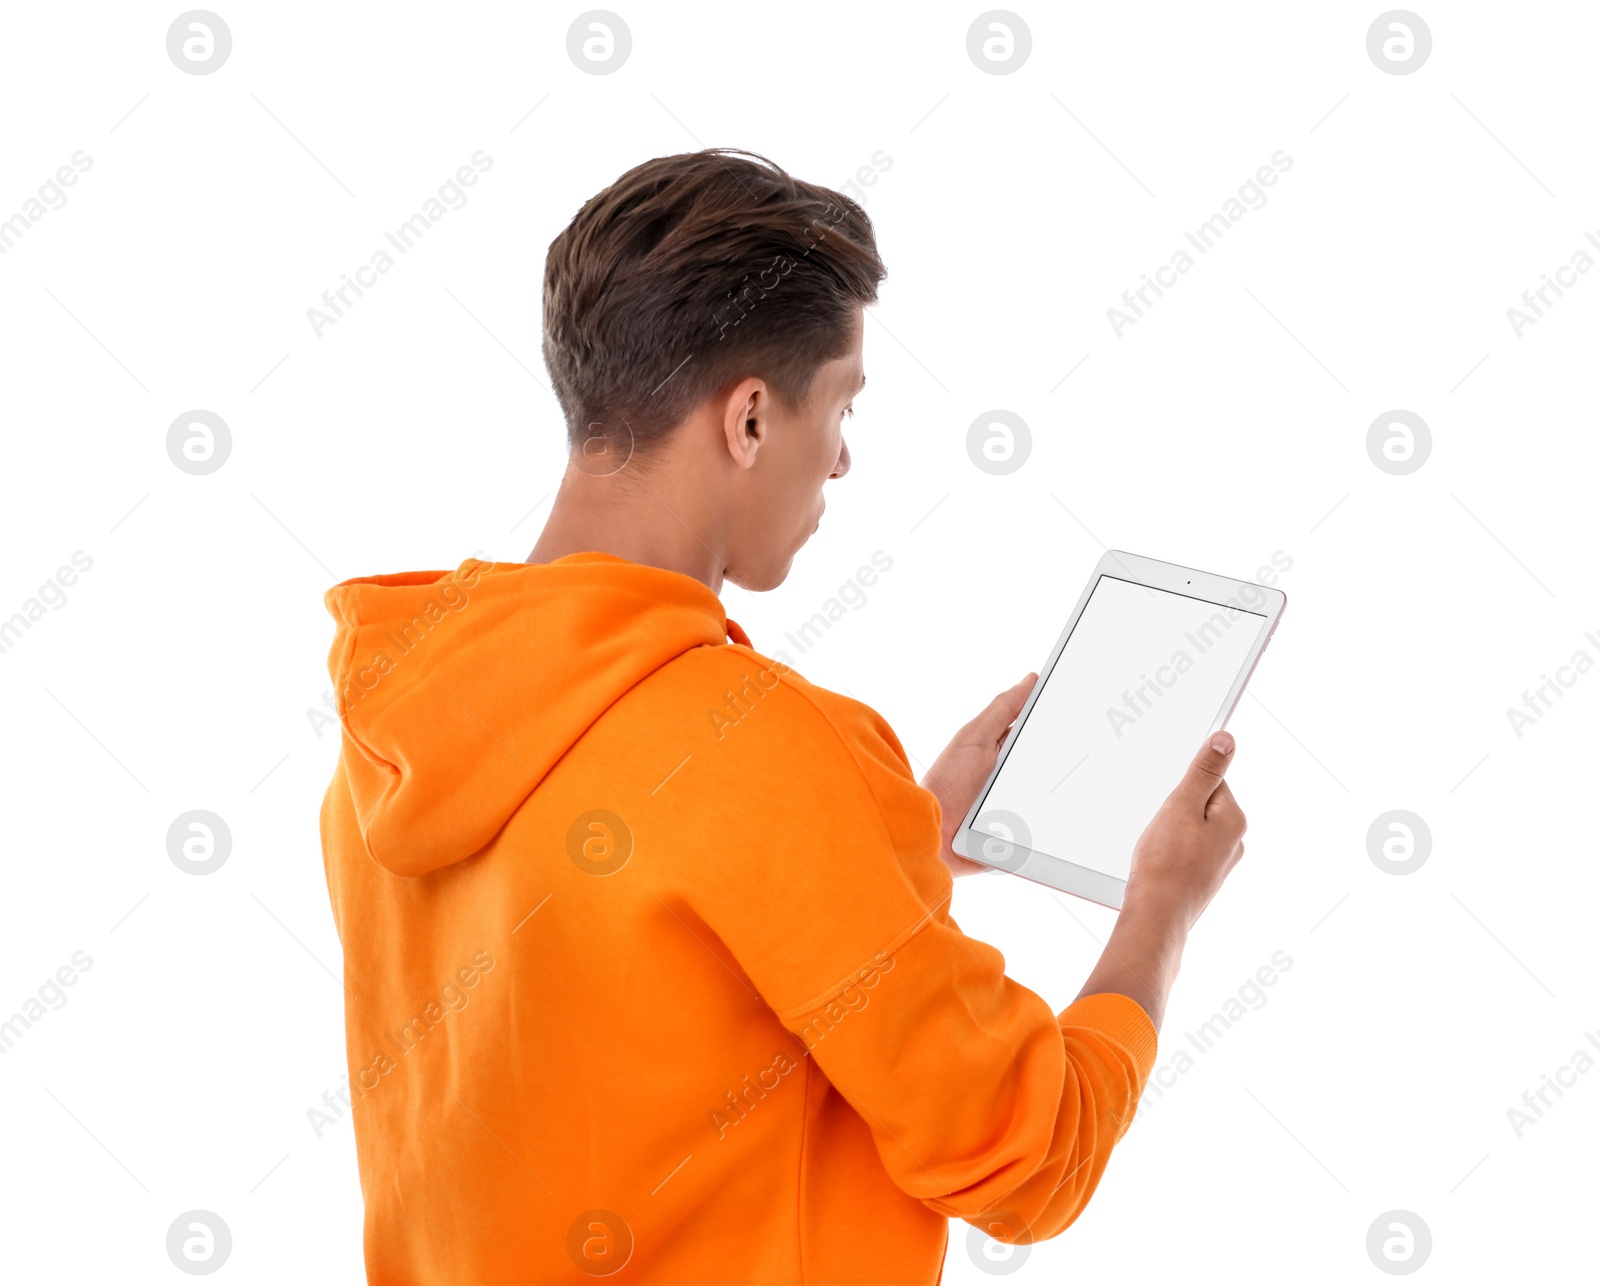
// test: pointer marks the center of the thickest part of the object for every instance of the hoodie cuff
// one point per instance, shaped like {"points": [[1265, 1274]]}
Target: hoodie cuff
{"points": [[1120, 1017]]}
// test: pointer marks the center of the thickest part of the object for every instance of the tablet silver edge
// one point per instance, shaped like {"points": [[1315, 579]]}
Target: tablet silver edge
{"points": [[1081, 881]]}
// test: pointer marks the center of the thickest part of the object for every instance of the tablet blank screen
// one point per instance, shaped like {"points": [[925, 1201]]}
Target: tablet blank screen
{"points": [[1125, 709]]}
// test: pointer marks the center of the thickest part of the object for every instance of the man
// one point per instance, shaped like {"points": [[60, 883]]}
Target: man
{"points": [[649, 960]]}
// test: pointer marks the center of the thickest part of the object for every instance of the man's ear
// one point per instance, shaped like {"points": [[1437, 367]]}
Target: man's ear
{"points": [[744, 420]]}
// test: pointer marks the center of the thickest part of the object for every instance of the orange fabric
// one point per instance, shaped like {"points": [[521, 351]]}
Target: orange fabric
{"points": [[649, 959]]}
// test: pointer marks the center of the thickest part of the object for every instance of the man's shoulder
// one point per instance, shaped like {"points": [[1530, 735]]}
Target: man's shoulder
{"points": [[781, 761], [771, 702]]}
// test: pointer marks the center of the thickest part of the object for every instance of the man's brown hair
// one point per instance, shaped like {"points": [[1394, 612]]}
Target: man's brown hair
{"points": [[693, 271]]}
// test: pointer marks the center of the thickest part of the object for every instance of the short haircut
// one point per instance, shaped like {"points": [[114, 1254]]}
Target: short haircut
{"points": [[691, 272]]}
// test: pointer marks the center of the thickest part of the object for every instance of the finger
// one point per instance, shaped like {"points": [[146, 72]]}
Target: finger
{"points": [[1206, 772], [1223, 804], [1223, 809]]}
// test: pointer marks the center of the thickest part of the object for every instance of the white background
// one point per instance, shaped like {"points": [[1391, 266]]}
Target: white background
{"points": [[1227, 424]]}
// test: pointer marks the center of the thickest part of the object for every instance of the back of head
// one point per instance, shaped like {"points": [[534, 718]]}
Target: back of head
{"points": [[688, 273]]}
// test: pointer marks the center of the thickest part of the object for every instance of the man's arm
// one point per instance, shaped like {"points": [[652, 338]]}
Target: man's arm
{"points": [[1140, 960], [1179, 862], [979, 1097]]}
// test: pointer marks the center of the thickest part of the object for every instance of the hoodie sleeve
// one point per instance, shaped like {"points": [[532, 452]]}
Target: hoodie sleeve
{"points": [[982, 1102]]}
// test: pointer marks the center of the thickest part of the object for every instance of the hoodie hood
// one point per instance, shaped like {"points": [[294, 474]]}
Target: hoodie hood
{"points": [[458, 691]]}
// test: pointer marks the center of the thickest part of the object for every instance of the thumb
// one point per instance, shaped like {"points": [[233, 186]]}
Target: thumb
{"points": [[1208, 769], [1002, 712]]}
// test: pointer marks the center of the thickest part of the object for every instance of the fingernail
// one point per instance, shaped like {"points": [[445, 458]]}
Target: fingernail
{"points": [[1222, 743]]}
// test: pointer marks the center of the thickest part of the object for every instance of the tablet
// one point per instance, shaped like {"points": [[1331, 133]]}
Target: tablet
{"points": [[1151, 663]]}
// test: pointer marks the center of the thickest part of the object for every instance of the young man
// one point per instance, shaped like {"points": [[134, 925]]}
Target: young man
{"points": [[649, 960]]}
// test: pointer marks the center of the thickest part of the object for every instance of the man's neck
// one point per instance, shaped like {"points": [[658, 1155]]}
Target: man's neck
{"points": [[647, 521]]}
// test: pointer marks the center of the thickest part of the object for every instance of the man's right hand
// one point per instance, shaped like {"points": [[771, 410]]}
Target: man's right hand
{"points": [[1194, 840], [1179, 863]]}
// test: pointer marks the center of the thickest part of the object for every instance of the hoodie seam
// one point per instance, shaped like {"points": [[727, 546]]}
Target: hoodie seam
{"points": [[905, 935], [895, 944]]}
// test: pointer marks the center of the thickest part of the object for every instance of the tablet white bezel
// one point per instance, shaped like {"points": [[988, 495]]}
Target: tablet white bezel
{"points": [[1055, 872]]}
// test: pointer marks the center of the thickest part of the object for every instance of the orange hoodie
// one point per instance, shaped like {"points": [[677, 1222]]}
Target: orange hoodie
{"points": [[649, 962]]}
